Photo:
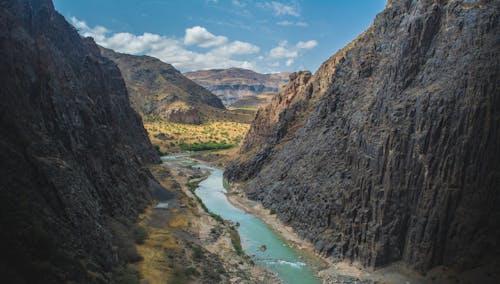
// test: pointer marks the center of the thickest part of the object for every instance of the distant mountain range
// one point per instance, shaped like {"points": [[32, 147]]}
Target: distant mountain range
{"points": [[234, 84]]}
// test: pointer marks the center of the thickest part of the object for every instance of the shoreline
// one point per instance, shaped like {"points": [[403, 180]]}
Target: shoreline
{"points": [[326, 270]]}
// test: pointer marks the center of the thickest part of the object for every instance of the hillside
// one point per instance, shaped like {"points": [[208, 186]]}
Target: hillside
{"points": [[178, 113], [157, 89], [72, 154], [389, 152], [234, 84]]}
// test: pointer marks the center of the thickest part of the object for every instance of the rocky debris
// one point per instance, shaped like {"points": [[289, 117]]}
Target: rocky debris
{"points": [[72, 153], [157, 89], [343, 279], [184, 115], [162, 136], [392, 151], [234, 84]]}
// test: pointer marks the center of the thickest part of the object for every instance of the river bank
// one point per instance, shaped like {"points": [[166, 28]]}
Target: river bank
{"points": [[183, 243], [328, 271], [344, 271]]}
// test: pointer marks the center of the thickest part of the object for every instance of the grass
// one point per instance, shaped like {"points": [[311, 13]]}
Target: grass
{"points": [[236, 241], [192, 187], [245, 108], [216, 135], [206, 146]]}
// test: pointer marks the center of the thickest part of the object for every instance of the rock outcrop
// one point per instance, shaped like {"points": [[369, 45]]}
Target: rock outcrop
{"points": [[157, 89], [391, 152], [72, 152], [234, 84]]}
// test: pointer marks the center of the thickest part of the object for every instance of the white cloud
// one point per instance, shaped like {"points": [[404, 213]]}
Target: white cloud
{"points": [[280, 9], [201, 37], [238, 3], [98, 32], [172, 50], [288, 23], [236, 48], [306, 44], [283, 51]]}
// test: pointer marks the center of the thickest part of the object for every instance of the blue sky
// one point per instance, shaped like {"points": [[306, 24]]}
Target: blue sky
{"points": [[265, 36]]}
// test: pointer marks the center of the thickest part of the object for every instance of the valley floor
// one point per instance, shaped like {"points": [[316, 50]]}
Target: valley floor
{"points": [[185, 244]]}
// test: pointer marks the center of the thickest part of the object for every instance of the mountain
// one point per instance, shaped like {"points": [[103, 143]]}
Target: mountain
{"points": [[233, 84], [72, 153], [389, 152], [157, 89]]}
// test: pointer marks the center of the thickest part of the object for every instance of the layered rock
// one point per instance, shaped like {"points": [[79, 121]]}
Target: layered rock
{"points": [[72, 151], [157, 89], [391, 150], [234, 84]]}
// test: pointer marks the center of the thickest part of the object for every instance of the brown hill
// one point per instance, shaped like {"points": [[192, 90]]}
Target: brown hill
{"points": [[234, 84], [157, 89]]}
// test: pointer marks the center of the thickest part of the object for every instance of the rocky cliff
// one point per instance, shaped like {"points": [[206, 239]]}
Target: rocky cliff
{"points": [[72, 152], [234, 84], [390, 151], [158, 89]]}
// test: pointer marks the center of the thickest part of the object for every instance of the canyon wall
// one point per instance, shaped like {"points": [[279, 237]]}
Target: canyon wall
{"points": [[72, 152], [390, 151]]}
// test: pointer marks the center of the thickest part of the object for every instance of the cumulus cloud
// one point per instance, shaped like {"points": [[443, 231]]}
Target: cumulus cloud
{"points": [[296, 24], [174, 51], [283, 51], [201, 37], [290, 52], [98, 32], [280, 9], [306, 44], [236, 48]]}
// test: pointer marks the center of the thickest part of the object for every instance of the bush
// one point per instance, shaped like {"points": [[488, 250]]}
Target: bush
{"points": [[236, 241], [204, 146], [140, 235], [197, 252], [191, 271]]}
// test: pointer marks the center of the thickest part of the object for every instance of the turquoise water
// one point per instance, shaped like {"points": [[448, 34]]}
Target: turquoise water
{"points": [[278, 257]]}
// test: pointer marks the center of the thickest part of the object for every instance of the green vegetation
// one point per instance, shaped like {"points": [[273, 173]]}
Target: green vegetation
{"points": [[216, 135], [206, 146], [236, 241], [197, 252], [158, 150], [192, 187], [140, 234]]}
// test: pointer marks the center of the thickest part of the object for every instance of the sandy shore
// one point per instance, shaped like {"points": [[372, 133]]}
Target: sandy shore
{"points": [[328, 271]]}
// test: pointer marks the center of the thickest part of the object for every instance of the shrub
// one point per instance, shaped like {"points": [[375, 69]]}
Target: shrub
{"points": [[140, 234]]}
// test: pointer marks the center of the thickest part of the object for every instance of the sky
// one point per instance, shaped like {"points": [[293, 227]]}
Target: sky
{"points": [[264, 36]]}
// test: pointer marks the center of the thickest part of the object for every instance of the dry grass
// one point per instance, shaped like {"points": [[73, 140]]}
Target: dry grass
{"points": [[171, 136]]}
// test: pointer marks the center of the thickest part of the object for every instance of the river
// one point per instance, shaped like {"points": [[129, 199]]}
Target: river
{"points": [[291, 266]]}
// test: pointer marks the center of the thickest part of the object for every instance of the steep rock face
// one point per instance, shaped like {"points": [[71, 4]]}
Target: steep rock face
{"points": [[399, 157], [72, 151], [233, 84], [157, 89]]}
